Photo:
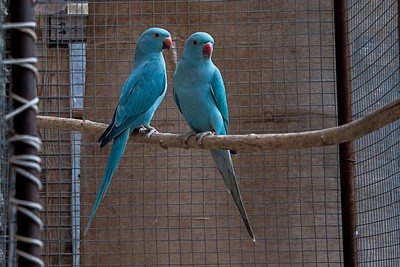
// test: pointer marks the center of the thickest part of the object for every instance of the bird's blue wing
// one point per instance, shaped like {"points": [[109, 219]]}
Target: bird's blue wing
{"points": [[176, 100], [219, 95], [144, 85]]}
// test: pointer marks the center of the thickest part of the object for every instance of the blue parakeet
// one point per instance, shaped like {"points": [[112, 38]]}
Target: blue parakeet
{"points": [[141, 94], [199, 93]]}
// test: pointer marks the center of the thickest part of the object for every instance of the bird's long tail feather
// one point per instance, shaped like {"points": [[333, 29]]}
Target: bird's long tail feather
{"points": [[116, 153], [224, 164]]}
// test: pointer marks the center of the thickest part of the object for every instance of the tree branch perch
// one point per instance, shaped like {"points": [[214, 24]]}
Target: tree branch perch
{"points": [[249, 142]]}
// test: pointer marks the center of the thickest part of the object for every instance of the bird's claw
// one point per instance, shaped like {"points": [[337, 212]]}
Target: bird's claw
{"points": [[186, 137], [148, 130], [200, 136], [151, 132], [142, 129]]}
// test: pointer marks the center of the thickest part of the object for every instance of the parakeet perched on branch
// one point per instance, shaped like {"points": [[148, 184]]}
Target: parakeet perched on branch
{"points": [[200, 95], [142, 93]]}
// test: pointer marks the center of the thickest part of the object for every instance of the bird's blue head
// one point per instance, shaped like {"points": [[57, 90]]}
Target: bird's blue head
{"points": [[154, 40], [199, 46]]}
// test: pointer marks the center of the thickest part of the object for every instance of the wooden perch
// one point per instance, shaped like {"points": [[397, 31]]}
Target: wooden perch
{"points": [[249, 142]]}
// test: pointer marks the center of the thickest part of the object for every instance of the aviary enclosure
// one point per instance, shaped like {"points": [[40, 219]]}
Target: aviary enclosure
{"points": [[289, 66]]}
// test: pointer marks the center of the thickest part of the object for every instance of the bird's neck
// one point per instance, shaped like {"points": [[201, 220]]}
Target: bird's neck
{"points": [[140, 56], [196, 61]]}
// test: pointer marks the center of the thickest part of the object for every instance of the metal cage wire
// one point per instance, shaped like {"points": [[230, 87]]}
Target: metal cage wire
{"points": [[170, 207], [375, 64]]}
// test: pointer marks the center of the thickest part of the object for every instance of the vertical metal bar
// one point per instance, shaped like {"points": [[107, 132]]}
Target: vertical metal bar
{"points": [[3, 144], [77, 58], [23, 84], [346, 150], [76, 140], [77, 53]]}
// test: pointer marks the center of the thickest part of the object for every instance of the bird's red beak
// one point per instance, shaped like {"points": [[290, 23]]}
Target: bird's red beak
{"points": [[207, 50], [167, 43]]}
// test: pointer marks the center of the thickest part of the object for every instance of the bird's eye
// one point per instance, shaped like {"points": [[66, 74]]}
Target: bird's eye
{"points": [[157, 35], [194, 42]]}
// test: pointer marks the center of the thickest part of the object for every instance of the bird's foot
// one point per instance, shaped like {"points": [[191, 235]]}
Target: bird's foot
{"points": [[148, 130], [200, 136], [186, 137], [142, 129]]}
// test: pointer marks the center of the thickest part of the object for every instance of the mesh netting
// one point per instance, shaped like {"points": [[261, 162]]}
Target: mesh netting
{"points": [[375, 80], [170, 207]]}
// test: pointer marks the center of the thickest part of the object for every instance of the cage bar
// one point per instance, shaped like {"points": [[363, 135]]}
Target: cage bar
{"points": [[26, 197], [346, 150], [281, 70]]}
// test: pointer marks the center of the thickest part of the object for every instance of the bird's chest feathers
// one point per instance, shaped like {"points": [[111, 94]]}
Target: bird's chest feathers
{"points": [[196, 94], [196, 74]]}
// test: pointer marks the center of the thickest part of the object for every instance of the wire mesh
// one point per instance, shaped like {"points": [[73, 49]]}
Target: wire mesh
{"points": [[375, 80], [170, 207]]}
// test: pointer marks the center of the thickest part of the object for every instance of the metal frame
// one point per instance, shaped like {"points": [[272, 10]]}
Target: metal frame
{"points": [[346, 150], [26, 145]]}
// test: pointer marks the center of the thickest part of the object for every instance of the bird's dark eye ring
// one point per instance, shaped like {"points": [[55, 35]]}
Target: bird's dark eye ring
{"points": [[194, 42], [157, 35]]}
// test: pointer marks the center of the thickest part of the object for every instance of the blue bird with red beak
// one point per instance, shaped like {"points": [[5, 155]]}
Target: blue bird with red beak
{"points": [[199, 92], [141, 94]]}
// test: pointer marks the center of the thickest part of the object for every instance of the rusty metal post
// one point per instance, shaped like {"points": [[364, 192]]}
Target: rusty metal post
{"points": [[346, 150]]}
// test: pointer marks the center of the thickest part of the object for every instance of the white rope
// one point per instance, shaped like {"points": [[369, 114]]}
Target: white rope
{"points": [[32, 216], [25, 27], [29, 176], [29, 240], [25, 160], [33, 140], [28, 104], [16, 25], [27, 63], [28, 161], [29, 257], [26, 203]]}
